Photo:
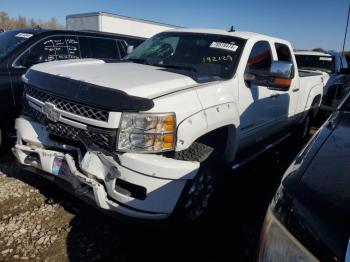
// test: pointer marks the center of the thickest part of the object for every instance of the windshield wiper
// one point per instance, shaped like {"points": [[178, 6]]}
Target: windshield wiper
{"points": [[177, 66], [137, 60]]}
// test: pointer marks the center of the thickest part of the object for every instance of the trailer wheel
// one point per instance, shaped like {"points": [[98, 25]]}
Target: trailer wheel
{"points": [[195, 199]]}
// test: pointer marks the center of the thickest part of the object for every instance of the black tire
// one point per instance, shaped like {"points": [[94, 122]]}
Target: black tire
{"points": [[302, 131], [197, 195], [5, 144], [1, 138], [3, 141]]}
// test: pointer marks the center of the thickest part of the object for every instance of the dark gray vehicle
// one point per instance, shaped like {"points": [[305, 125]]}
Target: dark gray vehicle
{"points": [[334, 67], [308, 219], [20, 49]]}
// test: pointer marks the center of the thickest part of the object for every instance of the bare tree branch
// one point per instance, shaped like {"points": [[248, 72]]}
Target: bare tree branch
{"points": [[8, 23]]}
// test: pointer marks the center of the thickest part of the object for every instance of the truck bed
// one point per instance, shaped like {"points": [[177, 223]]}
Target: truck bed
{"points": [[305, 73]]}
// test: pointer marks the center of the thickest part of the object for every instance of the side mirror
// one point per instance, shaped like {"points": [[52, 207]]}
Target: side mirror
{"points": [[281, 69], [278, 78], [130, 49], [345, 71], [32, 59]]}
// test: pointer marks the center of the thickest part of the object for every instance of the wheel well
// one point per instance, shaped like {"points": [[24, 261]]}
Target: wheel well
{"points": [[316, 100], [217, 139], [222, 140]]}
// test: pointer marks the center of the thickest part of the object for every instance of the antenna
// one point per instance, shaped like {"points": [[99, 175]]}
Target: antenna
{"points": [[346, 30], [232, 29]]}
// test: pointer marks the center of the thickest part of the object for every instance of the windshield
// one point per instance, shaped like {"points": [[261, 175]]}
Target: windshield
{"points": [[314, 62], [9, 40], [208, 54]]}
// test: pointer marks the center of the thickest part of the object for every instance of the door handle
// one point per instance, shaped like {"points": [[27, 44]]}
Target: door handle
{"points": [[295, 89], [274, 95]]}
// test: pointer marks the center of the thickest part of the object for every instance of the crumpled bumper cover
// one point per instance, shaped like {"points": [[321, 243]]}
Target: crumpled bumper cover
{"points": [[101, 178]]}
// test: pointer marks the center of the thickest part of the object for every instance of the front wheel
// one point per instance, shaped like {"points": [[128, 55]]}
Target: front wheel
{"points": [[196, 198]]}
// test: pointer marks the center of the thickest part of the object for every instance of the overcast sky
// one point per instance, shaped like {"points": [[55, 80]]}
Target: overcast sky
{"points": [[306, 23]]}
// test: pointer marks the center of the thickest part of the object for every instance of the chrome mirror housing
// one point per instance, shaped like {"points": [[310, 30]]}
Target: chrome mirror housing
{"points": [[281, 69]]}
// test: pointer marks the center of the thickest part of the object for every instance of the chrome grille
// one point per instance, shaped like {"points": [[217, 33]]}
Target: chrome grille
{"points": [[29, 111], [104, 139], [68, 106]]}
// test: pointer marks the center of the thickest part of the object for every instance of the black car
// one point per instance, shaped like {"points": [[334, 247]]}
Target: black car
{"points": [[309, 217], [20, 49]]}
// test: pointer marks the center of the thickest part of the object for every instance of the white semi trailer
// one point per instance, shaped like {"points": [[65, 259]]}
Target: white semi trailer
{"points": [[113, 23]]}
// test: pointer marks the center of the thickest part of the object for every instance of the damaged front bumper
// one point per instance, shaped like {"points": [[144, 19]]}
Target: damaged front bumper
{"points": [[133, 185]]}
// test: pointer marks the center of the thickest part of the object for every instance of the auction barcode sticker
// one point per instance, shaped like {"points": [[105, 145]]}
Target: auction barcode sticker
{"points": [[226, 46], [323, 58], [24, 35]]}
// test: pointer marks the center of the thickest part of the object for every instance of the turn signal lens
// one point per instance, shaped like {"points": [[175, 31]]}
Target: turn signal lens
{"points": [[283, 82]]}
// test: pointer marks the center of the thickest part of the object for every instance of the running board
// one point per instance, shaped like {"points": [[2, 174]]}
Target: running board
{"points": [[253, 153]]}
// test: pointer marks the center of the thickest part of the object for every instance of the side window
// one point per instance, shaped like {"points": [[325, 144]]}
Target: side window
{"points": [[93, 47], [260, 58], [283, 52], [57, 48], [123, 48]]}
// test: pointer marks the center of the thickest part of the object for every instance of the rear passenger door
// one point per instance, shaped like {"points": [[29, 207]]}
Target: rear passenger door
{"points": [[100, 48]]}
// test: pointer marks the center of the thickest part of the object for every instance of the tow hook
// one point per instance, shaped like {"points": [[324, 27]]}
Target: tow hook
{"points": [[113, 173], [82, 190]]}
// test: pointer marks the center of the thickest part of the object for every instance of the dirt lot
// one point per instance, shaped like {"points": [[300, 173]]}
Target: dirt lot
{"points": [[40, 222]]}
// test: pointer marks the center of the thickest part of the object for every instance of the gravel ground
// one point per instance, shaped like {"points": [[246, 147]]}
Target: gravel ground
{"points": [[40, 222]]}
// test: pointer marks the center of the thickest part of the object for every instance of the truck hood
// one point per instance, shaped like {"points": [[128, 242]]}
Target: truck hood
{"points": [[134, 79]]}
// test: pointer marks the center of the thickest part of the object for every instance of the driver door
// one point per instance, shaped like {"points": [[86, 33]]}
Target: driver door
{"points": [[255, 101]]}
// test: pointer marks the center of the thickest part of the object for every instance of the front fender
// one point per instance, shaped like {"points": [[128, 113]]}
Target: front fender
{"points": [[207, 120]]}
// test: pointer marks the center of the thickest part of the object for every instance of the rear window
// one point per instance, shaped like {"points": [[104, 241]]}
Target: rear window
{"points": [[315, 62], [102, 48]]}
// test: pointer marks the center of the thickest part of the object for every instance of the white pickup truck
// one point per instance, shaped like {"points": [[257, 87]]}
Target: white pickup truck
{"points": [[142, 137]]}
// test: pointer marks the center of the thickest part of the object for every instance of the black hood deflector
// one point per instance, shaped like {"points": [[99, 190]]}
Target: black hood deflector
{"points": [[87, 93]]}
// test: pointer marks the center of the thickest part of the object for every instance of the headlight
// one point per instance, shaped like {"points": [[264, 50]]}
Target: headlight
{"points": [[278, 244], [147, 133]]}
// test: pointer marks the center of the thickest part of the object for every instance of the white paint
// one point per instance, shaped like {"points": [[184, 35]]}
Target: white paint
{"points": [[106, 22], [134, 79]]}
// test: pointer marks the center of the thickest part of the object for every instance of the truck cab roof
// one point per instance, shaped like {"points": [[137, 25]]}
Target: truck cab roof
{"points": [[240, 34]]}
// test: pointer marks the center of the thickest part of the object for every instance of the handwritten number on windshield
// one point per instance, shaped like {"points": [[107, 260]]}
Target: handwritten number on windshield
{"points": [[216, 59]]}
